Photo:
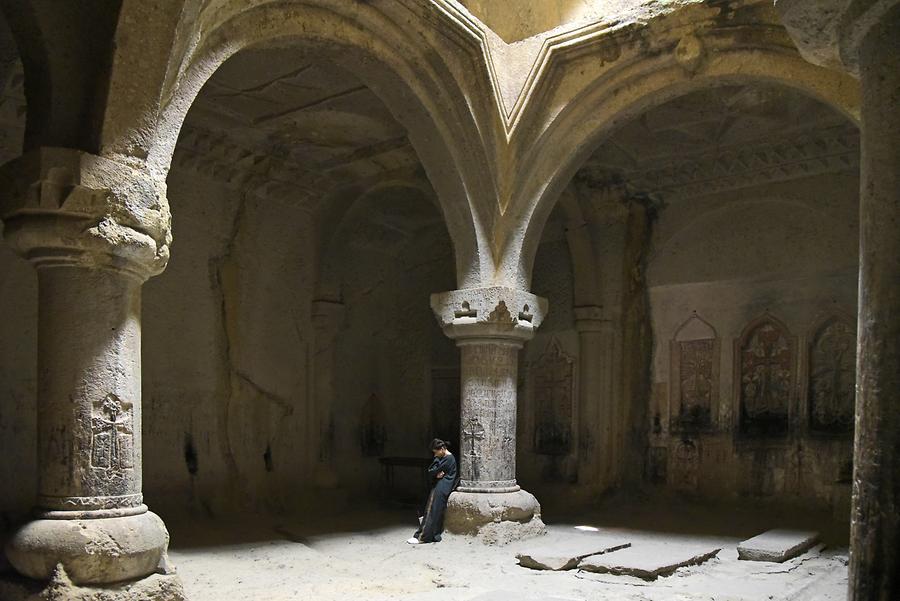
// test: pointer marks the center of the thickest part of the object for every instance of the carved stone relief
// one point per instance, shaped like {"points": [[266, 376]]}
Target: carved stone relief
{"points": [[553, 381], [112, 436], [112, 453], [831, 390], [686, 465], [488, 412], [694, 377], [765, 357]]}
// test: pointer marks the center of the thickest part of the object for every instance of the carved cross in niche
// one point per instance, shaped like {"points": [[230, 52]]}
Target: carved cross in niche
{"points": [[766, 361], [473, 431]]}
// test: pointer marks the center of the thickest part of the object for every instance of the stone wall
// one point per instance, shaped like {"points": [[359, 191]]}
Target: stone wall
{"points": [[394, 253], [18, 325], [753, 300], [548, 375]]}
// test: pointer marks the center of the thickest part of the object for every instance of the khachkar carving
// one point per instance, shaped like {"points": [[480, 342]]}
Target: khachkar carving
{"points": [[765, 378], [473, 434], [694, 377], [112, 432], [553, 386], [831, 389]]}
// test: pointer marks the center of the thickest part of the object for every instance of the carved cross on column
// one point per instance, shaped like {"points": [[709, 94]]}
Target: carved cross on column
{"points": [[473, 431]]}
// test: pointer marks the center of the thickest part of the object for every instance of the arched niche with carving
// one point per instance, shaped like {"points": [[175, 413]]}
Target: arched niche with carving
{"points": [[765, 378], [694, 376], [552, 378], [831, 376]]}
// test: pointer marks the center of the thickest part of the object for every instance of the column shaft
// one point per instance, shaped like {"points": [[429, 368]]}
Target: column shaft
{"points": [[89, 391], [875, 524], [95, 230], [597, 452], [488, 413]]}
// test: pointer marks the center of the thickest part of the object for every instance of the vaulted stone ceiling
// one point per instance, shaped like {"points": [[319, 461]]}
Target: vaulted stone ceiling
{"points": [[725, 138], [272, 120], [515, 20]]}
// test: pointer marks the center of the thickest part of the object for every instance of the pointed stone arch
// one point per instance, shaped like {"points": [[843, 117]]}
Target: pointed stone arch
{"points": [[416, 85], [629, 86]]}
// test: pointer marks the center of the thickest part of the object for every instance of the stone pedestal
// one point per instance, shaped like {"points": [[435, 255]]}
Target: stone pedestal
{"points": [[156, 587], [490, 325], [95, 230], [863, 37]]}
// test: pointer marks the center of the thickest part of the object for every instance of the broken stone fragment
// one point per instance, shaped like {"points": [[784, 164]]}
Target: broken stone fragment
{"points": [[650, 562], [565, 554], [777, 545]]}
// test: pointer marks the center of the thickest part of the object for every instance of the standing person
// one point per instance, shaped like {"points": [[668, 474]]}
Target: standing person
{"points": [[443, 480]]}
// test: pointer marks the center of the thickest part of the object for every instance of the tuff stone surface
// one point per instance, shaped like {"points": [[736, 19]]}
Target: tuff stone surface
{"points": [[472, 512], [157, 587], [649, 562], [777, 545], [101, 550], [673, 176], [568, 553]]}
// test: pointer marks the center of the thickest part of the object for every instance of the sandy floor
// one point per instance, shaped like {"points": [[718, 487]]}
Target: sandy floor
{"points": [[310, 560]]}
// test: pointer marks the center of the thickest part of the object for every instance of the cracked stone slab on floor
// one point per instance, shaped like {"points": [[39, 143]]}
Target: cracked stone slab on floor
{"points": [[777, 545], [566, 553], [649, 562]]}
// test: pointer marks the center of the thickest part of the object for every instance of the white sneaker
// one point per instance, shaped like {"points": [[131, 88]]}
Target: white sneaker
{"points": [[413, 541]]}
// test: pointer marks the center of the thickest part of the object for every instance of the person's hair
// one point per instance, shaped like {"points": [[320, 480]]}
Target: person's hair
{"points": [[437, 443]]}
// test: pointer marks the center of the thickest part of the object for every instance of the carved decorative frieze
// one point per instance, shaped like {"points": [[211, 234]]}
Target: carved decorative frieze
{"points": [[815, 151], [765, 357], [831, 387]]}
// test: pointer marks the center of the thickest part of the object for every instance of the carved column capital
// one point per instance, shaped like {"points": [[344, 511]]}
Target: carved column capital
{"points": [[496, 313], [66, 207], [829, 32]]}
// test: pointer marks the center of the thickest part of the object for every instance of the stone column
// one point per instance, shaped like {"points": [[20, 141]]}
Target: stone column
{"points": [[863, 37], [598, 452], [875, 524], [490, 325], [95, 230]]}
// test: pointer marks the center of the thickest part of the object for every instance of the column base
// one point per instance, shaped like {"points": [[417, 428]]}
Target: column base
{"points": [[157, 587], [91, 551], [496, 518]]}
